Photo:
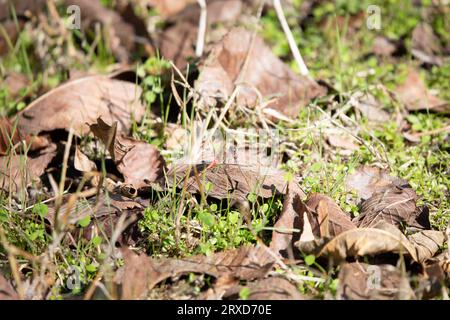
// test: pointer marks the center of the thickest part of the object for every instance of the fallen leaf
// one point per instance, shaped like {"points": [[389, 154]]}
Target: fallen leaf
{"points": [[426, 46], [177, 43], [367, 180], [121, 35], [8, 132], [384, 47], [370, 108], [21, 8], [7, 292], [242, 56], [18, 172], [414, 95], [102, 214], [233, 181], [140, 162], [272, 288], [361, 281], [134, 276], [427, 243], [168, 8], [382, 238], [245, 263], [16, 82], [78, 103], [302, 221], [82, 162], [331, 219], [342, 140], [11, 30], [293, 216], [394, 205]]}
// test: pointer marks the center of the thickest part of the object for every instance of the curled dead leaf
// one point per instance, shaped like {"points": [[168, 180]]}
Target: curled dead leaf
{"points": [[367, 180], [177, 42], [331, 219], [82, 162], [78, 103], [414, 94], [245, 263], [18, 172], [140, 162], [382, 238], [104, 212], [121, 34], [291, 224], [427, 243], [361, 281], [426, 46], [318, 217], [395, 205], [242, 56], [7, 292], [234, 181], [9, 134]]}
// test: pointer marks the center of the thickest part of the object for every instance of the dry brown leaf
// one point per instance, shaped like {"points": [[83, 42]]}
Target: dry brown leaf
{"points": [[15, 82], [134, 276], [140, 162], [18, 172], [371, 108], [293, 216], [107, 134], [121, 35], [383, 47], [232, 181], [382, 238], [331, 219], [443, 261], [361, 281], [414, 95], [302, 221], [78, 103], [177, 42], [245, 263], [7, 292], [272, 288], [167, 8], [367, 180], [427, 243], [342, 140], [11, 31], [8, 132], [242, 56], [82, 163], [426, 46], [21, 8], [395, 205], [105, 212]]}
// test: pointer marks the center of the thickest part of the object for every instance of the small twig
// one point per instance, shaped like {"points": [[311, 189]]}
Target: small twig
{"points": [[290, 38], [201, 29]]}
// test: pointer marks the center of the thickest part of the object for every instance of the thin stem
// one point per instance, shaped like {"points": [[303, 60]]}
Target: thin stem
{"points": [[290, 38], [201, 29]]}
